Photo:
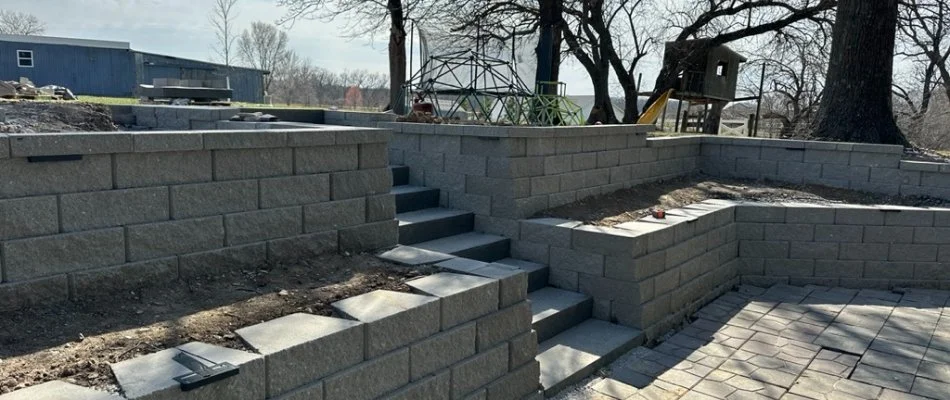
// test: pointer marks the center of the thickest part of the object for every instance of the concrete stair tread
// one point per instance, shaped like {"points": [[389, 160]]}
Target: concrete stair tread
{"points": [[404, 189], [477, 246], [412, 256], [547, 302], [537, 273], [429, 214], [576, 353]]}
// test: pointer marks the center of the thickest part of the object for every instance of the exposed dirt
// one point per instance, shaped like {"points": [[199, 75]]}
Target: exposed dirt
{"points": [[24, 116], [76, 342], [635, 203]]}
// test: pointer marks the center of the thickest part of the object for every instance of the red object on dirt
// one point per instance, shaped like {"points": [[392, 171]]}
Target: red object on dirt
{"points": [[659, 213]]}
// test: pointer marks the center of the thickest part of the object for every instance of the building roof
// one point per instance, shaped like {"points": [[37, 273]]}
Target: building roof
{"points": [[65, 41], [201, 62]]}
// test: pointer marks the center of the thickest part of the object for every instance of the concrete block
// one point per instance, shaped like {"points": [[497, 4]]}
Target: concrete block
{"points": [[174, 238], [59, 390], [517, 384], [895, 176], [542, 185], [257, 139], [479, 370], [466, 164], [888, 234], [311, 138], [464, 297], [817, 156], [121, 279], [763, 249], [373, 155], [809, 214], [790, 232], [370, 379], [26, 259], [166, 168], [441, 351], [579, 261], [902, 217], [441, 144], [862, 251], [522, 167], [253, 163], [353, 184], [565, 279], [750, 231], [259, 226], [37, 292], [797, 172], [294, 190], [502, 326], [607, 159], [540, 147], [204, 199], [851, 174], [614, 290], [369, 237], [27, 217], [913, 252], [4, 147], [214, 262], [301, 348], [597, 177], [92, 210], [573, 181], [380, 208], [786, 267], [888, 270], [938, 179], [20, 177], [44, 144], [535, 252], [303, 246], [877, 160], [522, 349], [839, 233], [392, 319], [492, 147], [560, 164], [316, 160], [552, 231], [584, 161], [334, 215], [814, 250], [756, 213], [924, 235], [152, 376], [435, 387], [635, 270], [512, 282]]}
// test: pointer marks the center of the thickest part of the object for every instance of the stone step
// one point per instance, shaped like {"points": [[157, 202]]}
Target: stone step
{"points": [[476, 246], [400, 175], [537, 273], [433, 223], [576, 353], [554, 311], [413, 198]]}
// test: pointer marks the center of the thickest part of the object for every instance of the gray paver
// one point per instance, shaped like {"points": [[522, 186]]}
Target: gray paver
{"points": [[393, 319]]}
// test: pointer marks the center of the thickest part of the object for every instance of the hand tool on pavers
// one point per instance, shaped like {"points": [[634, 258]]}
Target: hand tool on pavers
{"points": [[202, 375]]}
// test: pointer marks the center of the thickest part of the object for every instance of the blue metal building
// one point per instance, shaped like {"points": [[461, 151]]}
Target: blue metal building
{"points": [[105, 68]]}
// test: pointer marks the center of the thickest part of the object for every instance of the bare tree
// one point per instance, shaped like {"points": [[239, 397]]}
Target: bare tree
{"points": [[368, 18], [857, 102], [923, 28], [222, 18], [17, 23], [264, 47]]}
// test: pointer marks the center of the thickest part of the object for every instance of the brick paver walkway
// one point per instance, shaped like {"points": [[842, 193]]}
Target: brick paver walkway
{"points": [[794, 343]]}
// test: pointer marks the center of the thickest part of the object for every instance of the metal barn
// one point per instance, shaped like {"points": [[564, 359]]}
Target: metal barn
{"points": [[106, 68]]}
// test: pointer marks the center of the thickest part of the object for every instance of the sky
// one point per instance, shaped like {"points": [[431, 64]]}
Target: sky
{"points": [[180, 28]]}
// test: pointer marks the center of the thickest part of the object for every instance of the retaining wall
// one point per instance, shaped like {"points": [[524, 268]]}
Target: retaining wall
{"points": [[865, 167], [645, 274], [506, 173], [171, 118], [454, 338], [89, 213]]}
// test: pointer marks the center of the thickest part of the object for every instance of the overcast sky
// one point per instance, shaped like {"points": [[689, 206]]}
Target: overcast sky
{"points": [[180, 28]]}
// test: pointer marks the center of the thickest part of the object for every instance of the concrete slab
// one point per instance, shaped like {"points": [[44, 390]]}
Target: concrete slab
{"points": [[577, 352], [392, 319], [413, 256], [59, 390], [464, 297]]}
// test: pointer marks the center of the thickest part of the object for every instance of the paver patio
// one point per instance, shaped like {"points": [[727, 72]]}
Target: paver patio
{"points": [[794, 343]]}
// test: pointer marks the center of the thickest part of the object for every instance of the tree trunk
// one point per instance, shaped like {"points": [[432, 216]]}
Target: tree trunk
{"points": [[549, 44], [856, 103], [603, 109], [713, 117], [397, 57], [631, 111]]}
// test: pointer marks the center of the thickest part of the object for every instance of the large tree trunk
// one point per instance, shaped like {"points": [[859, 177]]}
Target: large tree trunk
{"points": [[397, 57], [856, 103], [603, 109], [549, 44]]}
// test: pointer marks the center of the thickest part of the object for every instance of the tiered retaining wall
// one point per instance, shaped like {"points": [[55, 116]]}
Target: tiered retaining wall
{"points": [[85, 214], [506, 173], [459, 337]]}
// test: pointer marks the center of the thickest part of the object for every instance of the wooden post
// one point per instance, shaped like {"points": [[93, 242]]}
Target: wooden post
{"points": [[750, 124], [679, 108], [758, 105]]}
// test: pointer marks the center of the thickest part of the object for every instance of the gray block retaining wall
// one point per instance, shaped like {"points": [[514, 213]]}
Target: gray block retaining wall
{"points": [[650, 274], [123, 209], [454, 338]]}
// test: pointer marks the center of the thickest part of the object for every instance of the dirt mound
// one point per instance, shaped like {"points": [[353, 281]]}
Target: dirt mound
{"points": [[52, 117]]}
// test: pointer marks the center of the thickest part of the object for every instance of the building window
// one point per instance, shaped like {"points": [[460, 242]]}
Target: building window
{"points": [[24, 58], [722, 68]]}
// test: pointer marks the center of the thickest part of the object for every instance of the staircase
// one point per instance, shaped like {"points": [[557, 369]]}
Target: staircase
{"points": [[571, 345]]}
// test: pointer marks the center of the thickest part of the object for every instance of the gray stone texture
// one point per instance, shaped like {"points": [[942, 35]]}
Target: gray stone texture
{"points": [[316, 160], [174, 238], [370, 379], [258, 226], [206, 199], [252, 163], [479, 370], [50, 255], [213, 262], [303, 246], [392, 319], [167, 168], [108, 281], [353, 184], [369, 237], [92, 210], [334, 215], [299, 349], [463, 297], [28, 217], [294, 190], [22, 178], [442, 350], [503, 325]]}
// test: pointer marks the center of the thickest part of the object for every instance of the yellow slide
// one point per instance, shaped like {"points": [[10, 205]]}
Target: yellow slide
{"points": [[653, 113]]}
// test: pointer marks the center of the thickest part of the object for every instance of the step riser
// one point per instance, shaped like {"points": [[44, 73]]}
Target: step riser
{"points": [[565, 319], [436, 229], [538, 279], [400, 175], [415, 201], [487, 253], [589, 370]]}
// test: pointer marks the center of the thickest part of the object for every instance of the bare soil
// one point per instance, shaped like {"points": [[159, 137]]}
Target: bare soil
{"points": [[77, 342], [635, 203], [25, 116]]}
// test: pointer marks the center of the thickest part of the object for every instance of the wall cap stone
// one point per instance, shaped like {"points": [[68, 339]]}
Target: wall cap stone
{"points": [[516, 131]]}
